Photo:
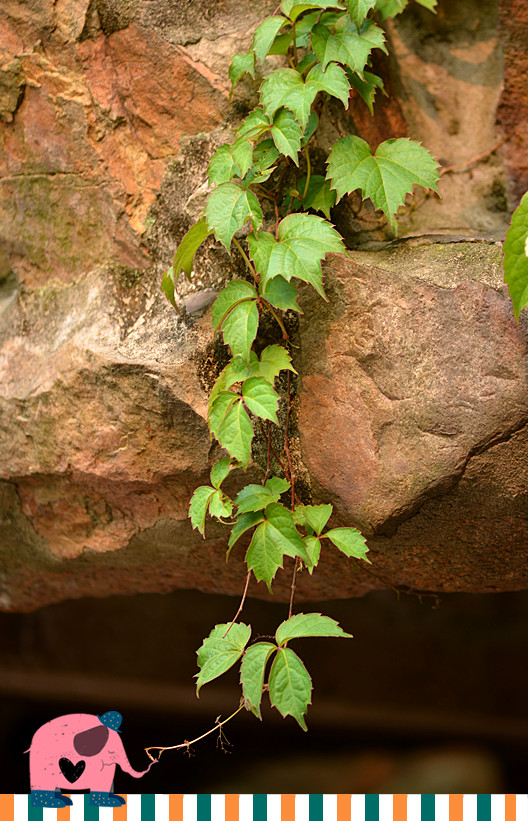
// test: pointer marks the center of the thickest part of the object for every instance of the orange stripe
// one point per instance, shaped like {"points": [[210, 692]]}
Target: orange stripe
{"points": [[176, 807], [7, 806], [120, 813], [287, 807], [231, 807], [456, 807], [510, 809], [343, 807], [399, 807], [64, 813]]}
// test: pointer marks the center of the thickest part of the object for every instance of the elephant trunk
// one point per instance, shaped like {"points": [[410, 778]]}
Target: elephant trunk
{"points": [[120, 758]]}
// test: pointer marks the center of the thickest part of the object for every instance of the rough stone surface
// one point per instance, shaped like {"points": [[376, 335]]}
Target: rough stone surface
{"points": [[411, 402]]}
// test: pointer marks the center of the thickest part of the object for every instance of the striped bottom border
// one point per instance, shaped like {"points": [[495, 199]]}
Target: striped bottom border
{"points": [[268, 807]]}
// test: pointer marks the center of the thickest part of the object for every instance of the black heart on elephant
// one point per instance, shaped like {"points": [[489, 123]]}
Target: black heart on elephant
{"points": [[71, 772]]}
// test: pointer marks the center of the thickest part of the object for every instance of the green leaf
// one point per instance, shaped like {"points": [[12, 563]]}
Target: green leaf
{"points": [[390, 8], [333, 81], [428, 4], [265, 34], [272, 540], [310, 129], [242, 153], [385, 177], [349, 541], [219, 408], [286, 88], [303, 625], [228, 208], [304, 239], [277, 486], [516, 257], [235, 433], [233, 294], [290, 685], [256, 497], [220, 506], [319, 195], [260, 246], [367, 87], [358, 9], [240, 65], [317, 516], [286, 133], [261, 398], [264, 155], [280, 294], [222, 166], [184, 256], [252, 672], [313, 548], [294, 8], [240, 328], [254, 124], [167, 286], [219, 651], [342, 43], [273, 360], [198, 507], [221, 470], [244, 523], [281, 528]]}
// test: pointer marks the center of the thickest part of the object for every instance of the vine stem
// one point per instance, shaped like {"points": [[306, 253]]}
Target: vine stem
{"points": [[294, 35], [241, 607], [308, 171], [246, 260], [293, 586], [275, 315], [187, 744]]}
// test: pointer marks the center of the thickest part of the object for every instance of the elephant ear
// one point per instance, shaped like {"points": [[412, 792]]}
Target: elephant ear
{"points": [[91, 742]]}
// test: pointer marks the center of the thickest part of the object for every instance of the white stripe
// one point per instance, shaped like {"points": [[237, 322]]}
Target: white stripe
{"points": [[441, 807], [302, 807], [189, 807], [133, 805], [105, 814], [470, 807], [161, 806], [49, 814], [498, 808], [358, 808], [274, 806], [521, 807], [385, 807], [329, 807], [245, 807], [20, 807], [217, 808], [414, 807], [77, 808]]}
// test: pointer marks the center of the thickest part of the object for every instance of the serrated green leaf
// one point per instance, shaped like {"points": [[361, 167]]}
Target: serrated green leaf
{"points": [[218, 409], [428, 4], [349, 541], [234, 292], [342, 43], [358, 9], [256, 497], [265, 35], [290, 685], [272, 540], [280, 294], [286, 88], [317, 516], [252, 672], [310, 129], [241, 64], [235, 371], [303, 625], [319, 196], [228, 208], [385, 177], [220, 506], [273, 360], [294, 8], [516, 257], [281, 527], [261, 398], [286, 133], [333, 80], [261, 245], [184, 256], [240, 328], [167, 286], [242, 153], [313, 548], [367, 87], [222, 166], [244, 523], [390, 8], [277, 486], [198, 507], [219, 652], [281, 43], [235, 432], [221, 470], [265, 154]]}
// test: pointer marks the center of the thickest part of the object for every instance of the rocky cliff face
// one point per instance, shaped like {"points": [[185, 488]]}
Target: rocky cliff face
{"points": [[411, 404]]}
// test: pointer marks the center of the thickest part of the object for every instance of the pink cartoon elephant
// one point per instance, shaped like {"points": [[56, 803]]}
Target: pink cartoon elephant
{"points": [[79, 752]]}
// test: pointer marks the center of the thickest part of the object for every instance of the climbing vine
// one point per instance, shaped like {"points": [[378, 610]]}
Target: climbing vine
{"points": [[266, 207]]}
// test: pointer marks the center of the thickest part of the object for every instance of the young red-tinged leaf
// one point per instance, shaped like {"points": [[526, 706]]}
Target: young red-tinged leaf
{"points": [[303, 625], [280, 294], [240, 65], [243, 523], [358, 9], [349, 541], [252, 672], [198, 507], [265, 35], [184, 256], [235, 433], [219, 651], [290, 686], [343, 43], [261, 398], [387, 176], [220, 506], [317, 516], [313, 548], [273, 360], [516, 257], [220, 471], [228, 208], [234, 292], [240, 328]]}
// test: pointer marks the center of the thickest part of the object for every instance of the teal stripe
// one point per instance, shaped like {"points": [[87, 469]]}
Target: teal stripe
{"points": [[203, 807], [483, 807], [428, 807], [260, 807], [91, 812], [34, 813], [316, 807], [148, 807], [371, 807]]}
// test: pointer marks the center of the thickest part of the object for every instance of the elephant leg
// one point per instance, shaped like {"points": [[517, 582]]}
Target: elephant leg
{"points": [[48, 798], [106, 799], [67, 801]]}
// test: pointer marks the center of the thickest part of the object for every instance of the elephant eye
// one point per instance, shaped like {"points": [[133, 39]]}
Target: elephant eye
{"points": [[91, 742]]}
